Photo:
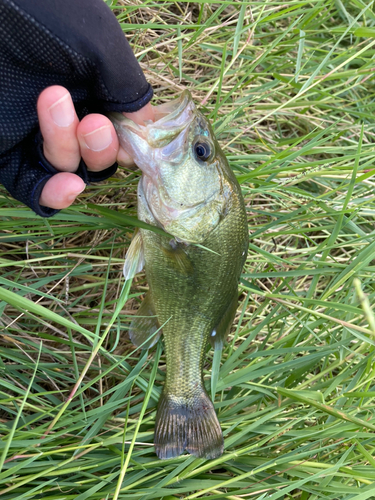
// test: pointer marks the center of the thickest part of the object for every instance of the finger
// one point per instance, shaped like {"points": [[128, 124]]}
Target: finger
{"points": [[58, 123], [140, 117], [124, 159], [61, 190], [98, 142], [144, 114]]}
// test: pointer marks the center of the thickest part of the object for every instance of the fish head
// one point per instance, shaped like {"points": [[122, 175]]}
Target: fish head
{"points": [[182, 166]]}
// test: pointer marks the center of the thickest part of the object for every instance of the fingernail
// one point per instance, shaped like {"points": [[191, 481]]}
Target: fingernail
{"points": [[62, 111], [99, 139], [72, 196]]}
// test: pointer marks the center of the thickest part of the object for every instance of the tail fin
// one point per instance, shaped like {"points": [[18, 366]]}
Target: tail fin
{"points": [[185, 424]]}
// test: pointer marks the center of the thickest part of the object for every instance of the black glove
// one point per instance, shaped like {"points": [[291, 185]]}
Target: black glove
{"points": [[74, 43]]}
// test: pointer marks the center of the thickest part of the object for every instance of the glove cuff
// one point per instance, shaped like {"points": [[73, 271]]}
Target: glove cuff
{"points": [[82, 172]]}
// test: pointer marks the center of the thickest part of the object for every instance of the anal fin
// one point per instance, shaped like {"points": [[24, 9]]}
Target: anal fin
{"points": [[145, 324], [220, 332]]}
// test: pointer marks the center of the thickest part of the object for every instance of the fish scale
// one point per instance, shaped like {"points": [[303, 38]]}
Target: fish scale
{"points": [[184, 301]]}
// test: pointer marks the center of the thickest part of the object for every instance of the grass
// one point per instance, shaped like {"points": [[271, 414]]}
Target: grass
{"points": [[289, 88]]}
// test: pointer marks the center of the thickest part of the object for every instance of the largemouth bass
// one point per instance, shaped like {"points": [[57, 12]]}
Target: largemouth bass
{"points": [[187, 189]]}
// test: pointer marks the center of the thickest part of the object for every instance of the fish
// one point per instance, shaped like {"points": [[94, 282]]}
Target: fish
{"points": [[188, 190]]}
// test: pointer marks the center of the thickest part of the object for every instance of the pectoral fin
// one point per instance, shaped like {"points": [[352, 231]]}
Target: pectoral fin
{"points": [[134, 260], [144, 325], [178, 258], [220, 332]]}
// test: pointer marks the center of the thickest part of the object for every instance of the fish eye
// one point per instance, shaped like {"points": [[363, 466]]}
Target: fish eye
{"points": [[202, 150]]}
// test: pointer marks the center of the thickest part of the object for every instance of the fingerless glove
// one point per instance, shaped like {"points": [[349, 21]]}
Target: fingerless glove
{"points": [[74, 43]]}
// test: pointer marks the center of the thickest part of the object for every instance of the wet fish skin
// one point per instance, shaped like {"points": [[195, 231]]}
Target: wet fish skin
{"points": [[193, 288]]}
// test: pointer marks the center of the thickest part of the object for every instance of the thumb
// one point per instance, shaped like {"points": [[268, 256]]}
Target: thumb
{"points": [[61, 190]]}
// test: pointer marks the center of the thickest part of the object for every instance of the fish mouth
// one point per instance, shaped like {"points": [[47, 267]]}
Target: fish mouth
{"points": [[170, 111], [171, 119], [163, 140]]}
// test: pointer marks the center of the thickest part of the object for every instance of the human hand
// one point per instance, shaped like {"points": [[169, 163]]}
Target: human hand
{"points": [[66, 140], [80, 48]]}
